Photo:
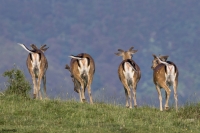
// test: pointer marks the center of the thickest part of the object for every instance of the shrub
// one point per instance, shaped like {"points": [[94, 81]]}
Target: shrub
{"points": [[17, 83]]}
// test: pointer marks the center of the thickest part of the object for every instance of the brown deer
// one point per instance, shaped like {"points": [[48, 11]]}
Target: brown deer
{"points": [[129, 74], [82, 68], [37, 65], [165, 74]]}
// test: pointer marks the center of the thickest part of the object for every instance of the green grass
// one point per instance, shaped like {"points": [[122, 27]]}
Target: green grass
{"points": [[23, 115]]}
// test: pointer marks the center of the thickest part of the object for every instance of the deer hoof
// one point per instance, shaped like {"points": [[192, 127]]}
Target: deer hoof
{"points": [[166, 108], [84, 101], [34, 96]]}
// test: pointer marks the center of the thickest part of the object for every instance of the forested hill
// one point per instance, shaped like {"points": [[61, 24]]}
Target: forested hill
{"points": [[99, 28]]}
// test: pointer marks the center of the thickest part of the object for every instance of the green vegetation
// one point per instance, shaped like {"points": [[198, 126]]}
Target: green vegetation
{"points": [[25, 115], [17, 83]]}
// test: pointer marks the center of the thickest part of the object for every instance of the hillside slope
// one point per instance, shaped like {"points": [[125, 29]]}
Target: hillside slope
{"points": [[50, 116]]}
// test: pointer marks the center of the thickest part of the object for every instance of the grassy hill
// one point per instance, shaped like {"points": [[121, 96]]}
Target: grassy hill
{"points": [[24, 115]]}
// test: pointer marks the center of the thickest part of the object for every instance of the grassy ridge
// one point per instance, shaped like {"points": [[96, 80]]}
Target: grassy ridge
{"points": [[27, 115]]}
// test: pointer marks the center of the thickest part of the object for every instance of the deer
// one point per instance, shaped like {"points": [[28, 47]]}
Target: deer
{"points": [[82, 69], [165, 74], [129, 74], [37, 65]]}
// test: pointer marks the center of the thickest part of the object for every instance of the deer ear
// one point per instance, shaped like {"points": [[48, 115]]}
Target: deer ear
{"points": [[133, 51], [44, 49], [67, 67], [164, 58], [43, 46], [34, 47], [155, 57], [120, 50], [119, 53], [131, 48]]}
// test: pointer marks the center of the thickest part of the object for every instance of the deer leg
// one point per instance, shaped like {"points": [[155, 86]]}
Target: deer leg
{"points": [[134, 94], [126, 93], [90, 94], [130, 100], [160, 97], [44, 84], [128, 96], [34, 85], [90, 77], [38, 84], [168, 91], [83, 92], [34, 88], [80, 92], [81, 89], [175, 84], [38, 90]]}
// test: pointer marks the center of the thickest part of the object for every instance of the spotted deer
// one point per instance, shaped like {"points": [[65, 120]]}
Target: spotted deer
{"points": [[37, 65], [129, 74], [165, 74], [82, 68]]}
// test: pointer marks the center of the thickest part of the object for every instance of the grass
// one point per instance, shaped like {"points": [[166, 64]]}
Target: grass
{"points": [[25, 115]]}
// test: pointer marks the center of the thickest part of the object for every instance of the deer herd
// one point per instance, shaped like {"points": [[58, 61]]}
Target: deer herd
{"points": [[82, 69]]}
